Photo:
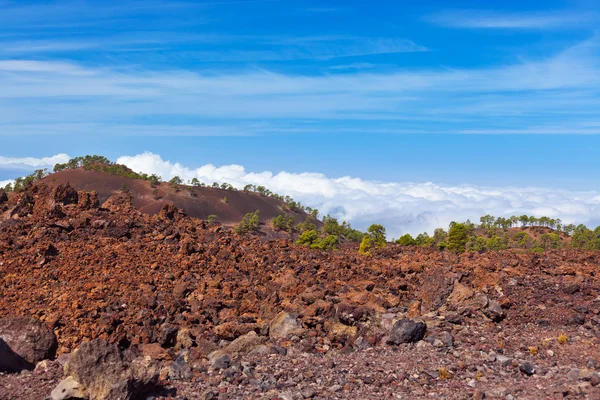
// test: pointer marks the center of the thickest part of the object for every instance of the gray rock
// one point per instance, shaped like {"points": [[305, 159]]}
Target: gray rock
{"points": [[479, 302], [105, 372], [494, 311], [245, 343], [527, 368], [284, 326], [308, 392], [218, 359], [68, 388], [595, 380], [25, 342], [503, 360], [407, 331]]}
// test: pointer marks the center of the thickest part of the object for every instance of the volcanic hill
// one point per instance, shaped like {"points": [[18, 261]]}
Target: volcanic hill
{"points": [[229, 206]]}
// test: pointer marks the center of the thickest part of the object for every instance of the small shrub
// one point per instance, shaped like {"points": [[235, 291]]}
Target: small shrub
{"points": [[328, 243], [406, 240], [212, 218], [225, 200], [562, 339], [377, 234], [249, 223], [365, 246], [307, 238], [123, 188], [307, 225], [284, 223]]}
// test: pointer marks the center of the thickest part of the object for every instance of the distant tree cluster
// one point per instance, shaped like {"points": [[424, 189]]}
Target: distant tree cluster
{"points": [[23, 182], [494, 234], [331, 226]]}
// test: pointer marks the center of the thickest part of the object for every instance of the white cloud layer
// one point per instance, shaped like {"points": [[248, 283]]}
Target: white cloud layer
{"points": [[25, 162], [400, 207], [4, 183]]}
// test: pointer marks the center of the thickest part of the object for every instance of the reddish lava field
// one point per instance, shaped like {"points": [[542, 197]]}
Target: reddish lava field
{"points": [[168, 306]]}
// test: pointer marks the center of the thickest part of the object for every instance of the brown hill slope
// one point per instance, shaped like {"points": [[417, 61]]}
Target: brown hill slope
{"points": [[197, 202]]}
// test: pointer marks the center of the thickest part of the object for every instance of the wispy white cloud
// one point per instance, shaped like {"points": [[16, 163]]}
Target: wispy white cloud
{"points": [[401, 207], [561, 90], [25, 162], [503, 20]]}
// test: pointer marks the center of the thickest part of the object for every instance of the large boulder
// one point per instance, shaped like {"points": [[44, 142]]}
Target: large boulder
{"points": [[100, 370], [24, 342], [284, 325], [65, 194], [407, 331]]}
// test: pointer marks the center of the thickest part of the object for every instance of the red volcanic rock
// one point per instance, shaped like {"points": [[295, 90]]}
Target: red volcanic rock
{"points": [[183, 289]]}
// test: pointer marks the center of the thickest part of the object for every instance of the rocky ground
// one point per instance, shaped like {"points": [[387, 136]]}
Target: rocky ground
{"points": [[185, 309]]}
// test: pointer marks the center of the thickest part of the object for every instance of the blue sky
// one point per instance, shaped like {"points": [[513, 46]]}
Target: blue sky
{"points": [[450, 92]]}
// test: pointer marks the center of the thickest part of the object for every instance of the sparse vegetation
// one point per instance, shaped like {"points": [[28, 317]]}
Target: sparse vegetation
{"points": [[249, 223], [311, 239], [307, 238], [514, 232], [365, 246], [306, 225], [331, 226], [406, 240], [212, 218], [377, 235], [284, 223]]}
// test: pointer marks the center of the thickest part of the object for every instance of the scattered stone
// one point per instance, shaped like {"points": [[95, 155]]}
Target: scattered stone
{"points": [[478, 395], [407, 331], [246, 343], [494, 311], [503, 360], [308, 392], [527, 368], [284, 326], [218, 359], [595, 379]]}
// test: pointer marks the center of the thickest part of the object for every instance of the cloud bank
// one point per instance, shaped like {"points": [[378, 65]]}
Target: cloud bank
{"points": [[26, 162], [400, 207]]}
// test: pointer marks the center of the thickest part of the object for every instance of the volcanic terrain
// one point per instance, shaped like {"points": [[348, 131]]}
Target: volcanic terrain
{"points": [[149, 300]]}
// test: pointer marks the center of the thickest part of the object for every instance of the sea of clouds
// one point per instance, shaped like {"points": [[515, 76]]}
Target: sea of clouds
{"points": [[400, 206]]}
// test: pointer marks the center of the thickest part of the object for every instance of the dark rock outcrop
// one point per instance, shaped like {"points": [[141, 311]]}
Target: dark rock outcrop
{"points": [[24, 342]]}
